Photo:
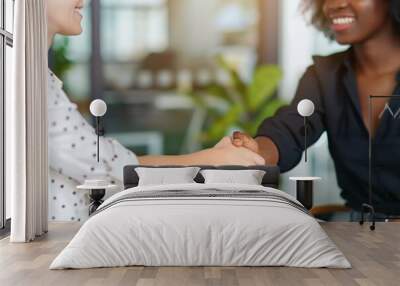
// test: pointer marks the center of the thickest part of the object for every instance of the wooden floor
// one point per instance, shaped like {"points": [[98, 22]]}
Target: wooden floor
{"points": [[375, 257]]}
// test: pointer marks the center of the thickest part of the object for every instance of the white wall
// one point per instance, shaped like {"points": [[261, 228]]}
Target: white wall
{"points": [[192, 27]]}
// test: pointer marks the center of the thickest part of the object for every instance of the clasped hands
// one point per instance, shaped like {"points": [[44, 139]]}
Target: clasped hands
{"points": [[240, 149]]}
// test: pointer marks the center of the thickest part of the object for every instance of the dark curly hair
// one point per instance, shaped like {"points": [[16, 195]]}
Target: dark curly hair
{"points": [[319, 20]]}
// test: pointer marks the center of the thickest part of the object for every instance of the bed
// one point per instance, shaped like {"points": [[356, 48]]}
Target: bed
{"points": [[198, 224]]}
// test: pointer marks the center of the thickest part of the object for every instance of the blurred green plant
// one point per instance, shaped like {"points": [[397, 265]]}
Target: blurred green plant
{"points": [[60, 61], [238, 105]]}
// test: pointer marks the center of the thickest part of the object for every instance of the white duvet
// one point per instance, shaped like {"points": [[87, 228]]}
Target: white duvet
{"points": [[202, 231]]}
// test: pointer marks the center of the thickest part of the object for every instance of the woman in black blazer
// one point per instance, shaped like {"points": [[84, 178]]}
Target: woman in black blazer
{"points": [[340, 86]]}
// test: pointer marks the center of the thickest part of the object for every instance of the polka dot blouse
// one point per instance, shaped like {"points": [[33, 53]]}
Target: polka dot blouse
{"points": [[72, 156]]}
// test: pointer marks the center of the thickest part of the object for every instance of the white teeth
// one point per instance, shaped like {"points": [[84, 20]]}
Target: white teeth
{"points": [[344, 20]]}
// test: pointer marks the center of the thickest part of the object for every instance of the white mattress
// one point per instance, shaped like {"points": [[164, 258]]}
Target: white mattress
{"points": [[193, 231]]}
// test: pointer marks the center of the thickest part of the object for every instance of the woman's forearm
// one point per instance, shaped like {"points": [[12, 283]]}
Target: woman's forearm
{"points": [[222, 155], [197, 158], [268, 150]]}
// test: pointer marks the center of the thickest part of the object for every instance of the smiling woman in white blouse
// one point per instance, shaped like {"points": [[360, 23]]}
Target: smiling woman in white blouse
{"points": [[72, 140]]}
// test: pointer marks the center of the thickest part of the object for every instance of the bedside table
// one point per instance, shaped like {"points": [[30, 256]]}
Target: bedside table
{"points": [[304, 190], [97, 190]]}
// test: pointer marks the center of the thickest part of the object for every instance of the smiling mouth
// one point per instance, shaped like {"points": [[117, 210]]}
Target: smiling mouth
{"points": [[78, 10], [343, 20], [340, 24]]}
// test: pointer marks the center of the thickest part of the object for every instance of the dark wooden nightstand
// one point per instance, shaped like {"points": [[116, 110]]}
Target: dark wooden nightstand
{"points": [[97, 190], [304, 190]]}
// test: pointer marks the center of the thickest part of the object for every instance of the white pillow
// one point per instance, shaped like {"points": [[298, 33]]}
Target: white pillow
{"points": [[166, 176], [247, 177]]}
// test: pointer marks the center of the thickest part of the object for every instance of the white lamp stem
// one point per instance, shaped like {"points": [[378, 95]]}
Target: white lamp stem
{"points": [[98, 137], [305, 138]]}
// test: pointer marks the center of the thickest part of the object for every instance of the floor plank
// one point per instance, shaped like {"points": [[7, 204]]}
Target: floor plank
{"points": [[375, 257]]}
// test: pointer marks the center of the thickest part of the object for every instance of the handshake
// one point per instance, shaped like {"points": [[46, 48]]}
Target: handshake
{"points": [[240, 149]]}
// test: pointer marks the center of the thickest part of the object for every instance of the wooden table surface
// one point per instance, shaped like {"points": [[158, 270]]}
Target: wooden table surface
{"points": [[375, 257]]}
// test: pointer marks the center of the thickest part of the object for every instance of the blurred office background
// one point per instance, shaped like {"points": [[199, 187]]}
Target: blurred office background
{"points": [[176, 73]]}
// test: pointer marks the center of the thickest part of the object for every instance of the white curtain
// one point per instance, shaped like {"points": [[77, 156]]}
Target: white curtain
{"points": [[26, 124]]}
